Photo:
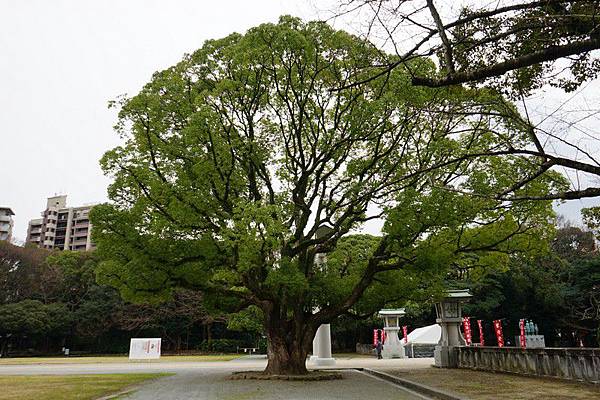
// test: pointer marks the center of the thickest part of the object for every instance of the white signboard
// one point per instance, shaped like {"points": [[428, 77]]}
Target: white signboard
{"points": [[144, 349]]}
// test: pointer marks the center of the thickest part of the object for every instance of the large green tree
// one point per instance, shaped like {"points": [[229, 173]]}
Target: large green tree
{"points": [[243, 163]]}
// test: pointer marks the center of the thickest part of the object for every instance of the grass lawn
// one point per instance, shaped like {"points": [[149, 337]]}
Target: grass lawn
{"points": [[477, 385], [110, 359], [67, 387]]}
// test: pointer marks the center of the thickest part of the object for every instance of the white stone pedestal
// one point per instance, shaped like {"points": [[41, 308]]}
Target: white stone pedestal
{"points": [[392, 347], [322, 347]]}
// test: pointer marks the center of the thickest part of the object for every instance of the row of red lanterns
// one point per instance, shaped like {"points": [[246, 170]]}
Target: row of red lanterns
{"points": [[379, 334], [497, 330]]}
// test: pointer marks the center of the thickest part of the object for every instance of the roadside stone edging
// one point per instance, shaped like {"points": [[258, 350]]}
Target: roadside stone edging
{"points": [[417, 387], [129, 389], [119, 394]]}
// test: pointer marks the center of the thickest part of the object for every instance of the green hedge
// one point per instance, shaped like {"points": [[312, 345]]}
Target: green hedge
{"points": [[221, 345]]}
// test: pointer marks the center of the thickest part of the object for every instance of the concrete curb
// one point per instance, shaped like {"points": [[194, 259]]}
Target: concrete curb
{"points": [[417, 387], [119, 394]]}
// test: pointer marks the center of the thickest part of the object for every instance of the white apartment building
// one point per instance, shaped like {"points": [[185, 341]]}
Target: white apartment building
{"points": [[6, 223], [62, 227]]}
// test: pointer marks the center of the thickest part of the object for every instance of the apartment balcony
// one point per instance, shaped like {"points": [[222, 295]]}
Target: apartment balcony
{"points": [[5, 218]]}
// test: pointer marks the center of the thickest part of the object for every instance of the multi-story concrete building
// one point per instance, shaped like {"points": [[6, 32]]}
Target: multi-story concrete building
{"points": [[62, 227], [6, 223]]}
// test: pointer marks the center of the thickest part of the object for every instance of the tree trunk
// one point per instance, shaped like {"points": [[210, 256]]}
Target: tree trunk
{"points": [[286, 358], [3, 346], [289, 343]]}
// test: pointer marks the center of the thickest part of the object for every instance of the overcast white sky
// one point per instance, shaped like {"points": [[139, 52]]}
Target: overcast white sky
{"points": [[61, 61]]}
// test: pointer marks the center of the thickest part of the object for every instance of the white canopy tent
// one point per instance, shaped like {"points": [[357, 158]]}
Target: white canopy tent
{"points": [[426, 335]]}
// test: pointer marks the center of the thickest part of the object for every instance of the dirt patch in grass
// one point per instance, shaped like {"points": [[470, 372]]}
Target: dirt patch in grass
{"points": [[311, 376], [479, 385], [68, 387]]}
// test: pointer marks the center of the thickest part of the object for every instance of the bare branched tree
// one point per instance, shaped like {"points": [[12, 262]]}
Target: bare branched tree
{"points": [[515, 47]]}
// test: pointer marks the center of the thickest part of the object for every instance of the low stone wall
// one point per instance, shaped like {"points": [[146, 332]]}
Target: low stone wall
{"points": [[581, 364], [365, 348], [419, 350]]}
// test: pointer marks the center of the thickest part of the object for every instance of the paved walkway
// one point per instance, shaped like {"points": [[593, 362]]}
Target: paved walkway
{"points": [[208, 385]]}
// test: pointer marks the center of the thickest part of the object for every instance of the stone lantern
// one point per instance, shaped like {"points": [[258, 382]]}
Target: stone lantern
{"points": [[449, 316], [393, 347]]}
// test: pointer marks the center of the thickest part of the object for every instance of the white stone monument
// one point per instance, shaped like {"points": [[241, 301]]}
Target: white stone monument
{"points": [[322, 346], [321, 354], [449, 316], [392, 347], [144, 349]]}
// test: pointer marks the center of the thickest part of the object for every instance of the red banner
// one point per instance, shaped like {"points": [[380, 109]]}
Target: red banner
{"points": [[498, 330], [467, 330], [378, 335], [481, 338], [522, 337], [405, 330]]}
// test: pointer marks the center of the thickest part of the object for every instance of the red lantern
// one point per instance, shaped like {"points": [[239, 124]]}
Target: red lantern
{"points": [[481, 338], [498, 330], [405, 330], [467, 330], [522, 337]]}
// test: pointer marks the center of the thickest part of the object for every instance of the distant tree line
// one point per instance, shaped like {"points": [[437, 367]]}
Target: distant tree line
{"points": [[50, 300], [559, 290]]}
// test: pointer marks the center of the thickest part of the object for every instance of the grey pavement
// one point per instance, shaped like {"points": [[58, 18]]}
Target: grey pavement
{"points": [[210, 385]]}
